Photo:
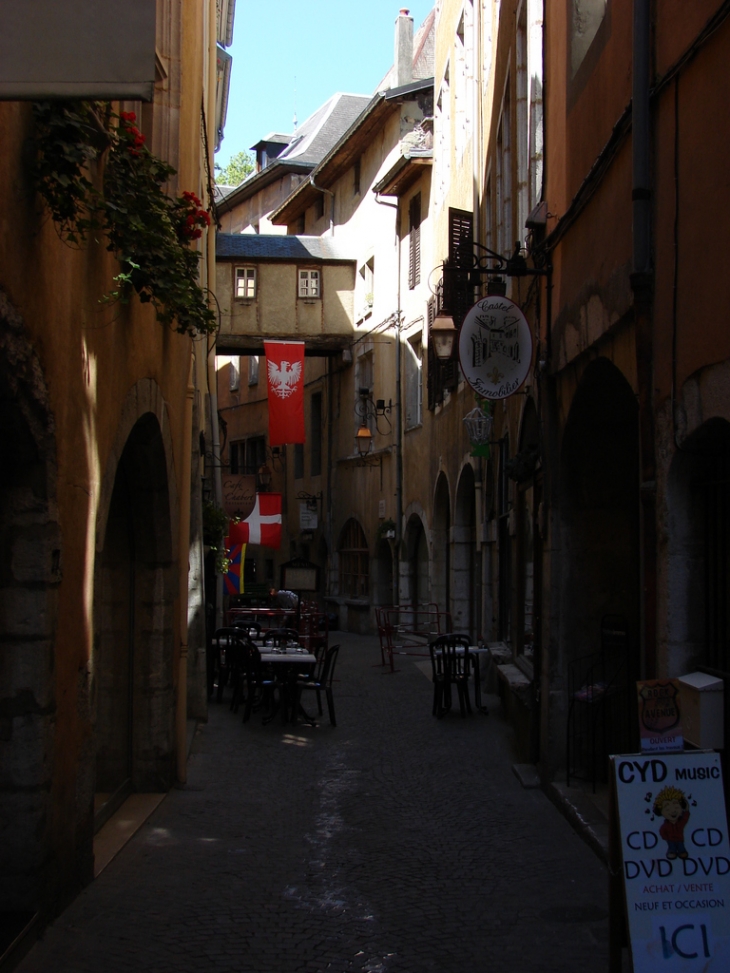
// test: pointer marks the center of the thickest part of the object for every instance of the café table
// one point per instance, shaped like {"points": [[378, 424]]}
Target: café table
{"points": [[289, 662]]}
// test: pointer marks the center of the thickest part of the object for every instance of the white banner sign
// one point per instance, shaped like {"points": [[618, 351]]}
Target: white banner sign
{"points": [[495, 347], [307, 516], [676, 861]]}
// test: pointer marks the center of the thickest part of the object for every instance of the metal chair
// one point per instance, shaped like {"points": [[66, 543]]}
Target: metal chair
{"points": [[321, 681], [227, 645], [452, 665]]}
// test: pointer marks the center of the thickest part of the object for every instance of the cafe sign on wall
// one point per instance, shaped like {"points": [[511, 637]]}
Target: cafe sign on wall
{"points": [[239, 494], [495, 347]]}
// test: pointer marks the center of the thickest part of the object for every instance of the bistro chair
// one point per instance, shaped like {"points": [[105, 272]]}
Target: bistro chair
{"points": [[226, 644], [260, 683], [249, 626], [281, 637], [451, 666], [321, 681]]}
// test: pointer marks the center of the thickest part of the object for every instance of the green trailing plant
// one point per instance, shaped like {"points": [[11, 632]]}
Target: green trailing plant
{"points": [[384, 527], [148, 231], [215, 525]]}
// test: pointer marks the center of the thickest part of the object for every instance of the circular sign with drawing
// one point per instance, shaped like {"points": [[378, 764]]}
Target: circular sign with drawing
{"points": [[495, 347]]}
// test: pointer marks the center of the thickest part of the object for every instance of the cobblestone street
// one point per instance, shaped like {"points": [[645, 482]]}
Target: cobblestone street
{"points": [[393, 843]]}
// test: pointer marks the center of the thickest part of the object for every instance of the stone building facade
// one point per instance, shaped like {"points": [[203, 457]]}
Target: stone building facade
{"points": [[103, 409]]}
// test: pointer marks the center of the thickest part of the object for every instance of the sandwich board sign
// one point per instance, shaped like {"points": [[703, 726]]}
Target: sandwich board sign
{"points": [[660, 715], [675, 860]]}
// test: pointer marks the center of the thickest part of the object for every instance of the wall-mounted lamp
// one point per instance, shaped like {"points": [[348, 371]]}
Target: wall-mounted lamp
{"points": [[363, 441], [277, 456], [264, 477], [366, 409], [443, 332]]}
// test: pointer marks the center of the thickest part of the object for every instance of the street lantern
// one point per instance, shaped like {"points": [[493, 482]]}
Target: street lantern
{"points": [[443, 332], [364, 441]]}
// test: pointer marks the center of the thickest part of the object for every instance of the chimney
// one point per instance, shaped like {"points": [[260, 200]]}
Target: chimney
{"points": [[403, 62]]}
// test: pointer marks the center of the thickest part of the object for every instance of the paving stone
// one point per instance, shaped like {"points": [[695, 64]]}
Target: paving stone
{"points": [[393, 843]]}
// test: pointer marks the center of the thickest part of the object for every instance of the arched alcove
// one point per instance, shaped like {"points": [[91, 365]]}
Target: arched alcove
{"points": [[441, 555], [463, 576], [133, 611], [383, 582], [417, 560], [600, 507], [698, 552]]}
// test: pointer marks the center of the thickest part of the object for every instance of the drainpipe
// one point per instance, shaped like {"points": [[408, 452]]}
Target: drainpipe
{"points": [[399, 413], [642, 281], [181, 713], [210, 364], [329, 192], [477, 195]]}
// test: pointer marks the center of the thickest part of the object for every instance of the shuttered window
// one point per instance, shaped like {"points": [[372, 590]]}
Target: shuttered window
{"points": [[461, 237], [414, 264], [458, 288]]}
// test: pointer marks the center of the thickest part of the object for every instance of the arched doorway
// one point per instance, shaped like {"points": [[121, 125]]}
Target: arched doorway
{"points": [[30, 573], [133, 644], [441, 567], [600, 516], [463, 577]]}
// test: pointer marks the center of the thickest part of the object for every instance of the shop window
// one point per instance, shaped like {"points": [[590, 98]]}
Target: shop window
{"points": [[354, 562], [315, 419], [298, 461]]}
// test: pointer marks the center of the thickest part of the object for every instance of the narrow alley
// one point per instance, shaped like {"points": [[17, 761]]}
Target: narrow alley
{"points": [[392, 843]]}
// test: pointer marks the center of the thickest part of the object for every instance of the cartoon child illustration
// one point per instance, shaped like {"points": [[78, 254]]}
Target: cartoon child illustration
{"points": [[671, 804]]}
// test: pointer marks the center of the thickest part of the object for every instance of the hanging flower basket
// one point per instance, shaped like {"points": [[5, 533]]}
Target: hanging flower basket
{"points": [[478, 426]]}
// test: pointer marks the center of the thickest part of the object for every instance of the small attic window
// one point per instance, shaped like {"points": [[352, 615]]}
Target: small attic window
{"points": [[246, 282], [309, 283]]}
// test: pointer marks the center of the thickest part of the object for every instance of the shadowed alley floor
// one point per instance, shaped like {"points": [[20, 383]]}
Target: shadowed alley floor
{"points": [[393, 843]]}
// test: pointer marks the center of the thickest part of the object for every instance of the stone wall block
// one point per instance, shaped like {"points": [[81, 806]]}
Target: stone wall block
{"points": [[27, 612], [25, 757], [28, 667], [35, 555], [22, 827]]}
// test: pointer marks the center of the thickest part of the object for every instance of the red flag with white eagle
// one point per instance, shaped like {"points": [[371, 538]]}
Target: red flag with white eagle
{"points": [[285, 376], [263, 524]]}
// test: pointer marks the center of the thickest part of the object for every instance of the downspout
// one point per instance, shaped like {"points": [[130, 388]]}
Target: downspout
{"points": [[477, 194], [181, 713], [210, 364], [642, 281], [398, 414], [330, 467], [329, 192]]}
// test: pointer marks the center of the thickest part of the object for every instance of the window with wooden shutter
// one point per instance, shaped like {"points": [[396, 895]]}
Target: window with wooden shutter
{"points": [[414, 219], [458, 289], [461, 238]]}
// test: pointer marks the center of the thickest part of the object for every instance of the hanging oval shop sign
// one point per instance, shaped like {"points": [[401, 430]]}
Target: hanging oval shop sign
{"points": [[495, 347]]}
